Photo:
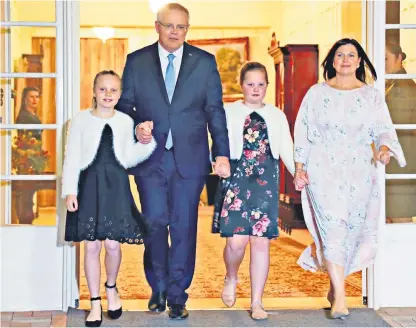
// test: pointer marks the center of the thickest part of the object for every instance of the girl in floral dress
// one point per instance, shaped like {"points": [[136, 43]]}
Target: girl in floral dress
{"points": [[246, 208]]}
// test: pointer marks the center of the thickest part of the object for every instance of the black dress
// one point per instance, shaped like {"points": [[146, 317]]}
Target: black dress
{"points": [[247, 202], [106, 209], [26, 117]]}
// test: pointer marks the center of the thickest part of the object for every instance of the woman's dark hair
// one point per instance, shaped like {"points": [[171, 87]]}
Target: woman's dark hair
{"points": [[24, 95], [105, 72], [395, 49], [253, 66], [328, 63]]}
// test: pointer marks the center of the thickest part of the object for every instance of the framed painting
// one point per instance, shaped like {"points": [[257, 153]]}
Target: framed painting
{"points": [[231, 54]]}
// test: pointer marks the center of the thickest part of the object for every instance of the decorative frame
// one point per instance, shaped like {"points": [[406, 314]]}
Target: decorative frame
{"points": [[231, 54]]}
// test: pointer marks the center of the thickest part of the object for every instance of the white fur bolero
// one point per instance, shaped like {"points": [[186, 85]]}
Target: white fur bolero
{"points": [[281, 143], [84, 139]]}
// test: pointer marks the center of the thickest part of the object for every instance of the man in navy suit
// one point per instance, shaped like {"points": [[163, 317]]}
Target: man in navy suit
{"points": [[173, 92]]}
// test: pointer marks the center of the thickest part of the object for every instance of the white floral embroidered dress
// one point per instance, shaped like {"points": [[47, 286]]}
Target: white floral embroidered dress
{"points": [[334, 131]]}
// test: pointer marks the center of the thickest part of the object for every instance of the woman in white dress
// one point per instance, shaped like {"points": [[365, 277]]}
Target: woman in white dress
{"points": [[342, 130]]}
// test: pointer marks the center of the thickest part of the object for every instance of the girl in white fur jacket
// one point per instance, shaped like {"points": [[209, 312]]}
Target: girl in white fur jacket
{"points": [[247, 203], [96, 186]]}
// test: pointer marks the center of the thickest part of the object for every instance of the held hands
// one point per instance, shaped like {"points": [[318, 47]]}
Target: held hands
{"points": [[382, 155], [71, 203], [301, 180], [222, 167], [144, 132]]}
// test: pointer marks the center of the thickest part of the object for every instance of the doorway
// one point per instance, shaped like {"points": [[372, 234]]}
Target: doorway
{"points": [[288, 285]]}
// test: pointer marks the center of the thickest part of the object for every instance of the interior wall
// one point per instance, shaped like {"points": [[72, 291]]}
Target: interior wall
{"points": [[320, 22]]}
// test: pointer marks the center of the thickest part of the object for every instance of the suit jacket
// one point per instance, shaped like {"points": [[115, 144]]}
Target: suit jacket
{"points": [[196, 105]]}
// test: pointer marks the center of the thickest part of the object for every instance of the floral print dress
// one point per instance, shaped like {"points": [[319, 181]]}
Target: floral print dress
{"points": [[247, 202], [334, 133]]}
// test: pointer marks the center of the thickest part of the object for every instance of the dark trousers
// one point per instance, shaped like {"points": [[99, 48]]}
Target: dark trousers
{"points": [[170, 204]]}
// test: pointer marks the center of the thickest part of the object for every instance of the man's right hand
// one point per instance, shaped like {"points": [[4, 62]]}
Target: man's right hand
{"points": [[144, 132]]}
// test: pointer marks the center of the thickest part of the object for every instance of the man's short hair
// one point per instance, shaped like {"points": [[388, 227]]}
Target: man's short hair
{"points": [[172, 6]]}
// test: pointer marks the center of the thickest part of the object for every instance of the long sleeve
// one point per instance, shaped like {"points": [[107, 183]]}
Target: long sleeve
{"points": [[214, 110], [302, 144], [383, 131], [136, 152], [286, 145], [72, 167]]}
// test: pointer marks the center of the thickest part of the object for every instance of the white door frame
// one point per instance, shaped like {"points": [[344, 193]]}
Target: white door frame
{"points": [[72, 106], [387, 285], [46, 284]]}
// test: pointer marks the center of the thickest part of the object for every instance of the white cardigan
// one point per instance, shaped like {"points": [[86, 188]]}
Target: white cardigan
{"points": [[84, 139], [281, 143]]}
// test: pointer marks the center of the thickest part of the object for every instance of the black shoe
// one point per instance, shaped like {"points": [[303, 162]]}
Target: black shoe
{"points": [[114, 314], [178, 312], [157, 302], [95, 323]]}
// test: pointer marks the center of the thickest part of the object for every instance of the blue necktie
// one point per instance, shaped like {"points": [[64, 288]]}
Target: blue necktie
{"points": [[170, 88]]}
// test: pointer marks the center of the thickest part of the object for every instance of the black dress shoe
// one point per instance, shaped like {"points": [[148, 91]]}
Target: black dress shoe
{"points": [[95, 323], [157, 302], [178, 312], [114, 314]]}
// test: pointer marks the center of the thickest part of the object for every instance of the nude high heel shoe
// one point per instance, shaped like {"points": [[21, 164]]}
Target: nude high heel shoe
{"points": [[258, 312], [339, 314], [229, 294]]}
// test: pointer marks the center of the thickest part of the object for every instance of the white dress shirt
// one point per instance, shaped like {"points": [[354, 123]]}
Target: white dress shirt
{"points": [[164, 61]]}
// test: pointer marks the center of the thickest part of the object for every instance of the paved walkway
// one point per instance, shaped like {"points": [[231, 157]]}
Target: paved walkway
{"points": [[399, 317], [33, 319]]}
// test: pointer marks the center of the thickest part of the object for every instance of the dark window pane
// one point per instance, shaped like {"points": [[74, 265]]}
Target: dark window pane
{"points": [[33, 202], [400, 12], [33, 49], [401, 51], [33, 101], [32, 151], [400, 201]]}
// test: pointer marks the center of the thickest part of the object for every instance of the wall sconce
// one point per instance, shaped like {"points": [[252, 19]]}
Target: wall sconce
{"points": [[156, 4], [103, 33]]}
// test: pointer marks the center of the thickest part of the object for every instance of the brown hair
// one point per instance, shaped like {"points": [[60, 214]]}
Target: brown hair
{"points": [[105, 72], [24, 95], [360, 73], [253, 66], [395, 49], [172, 6]]}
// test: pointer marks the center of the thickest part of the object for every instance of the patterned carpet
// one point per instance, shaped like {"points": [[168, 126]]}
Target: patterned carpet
{"points": [[286, 278]]}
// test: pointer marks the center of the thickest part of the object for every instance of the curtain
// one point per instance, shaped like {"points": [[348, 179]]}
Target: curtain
{"points": [[97, 56], [47, 109]]}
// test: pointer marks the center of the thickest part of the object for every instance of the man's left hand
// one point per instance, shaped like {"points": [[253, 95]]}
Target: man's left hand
{"points": [[222, 167]]}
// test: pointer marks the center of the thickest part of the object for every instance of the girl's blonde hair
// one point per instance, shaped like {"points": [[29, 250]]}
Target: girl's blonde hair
{"points": [[105, 72]]}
